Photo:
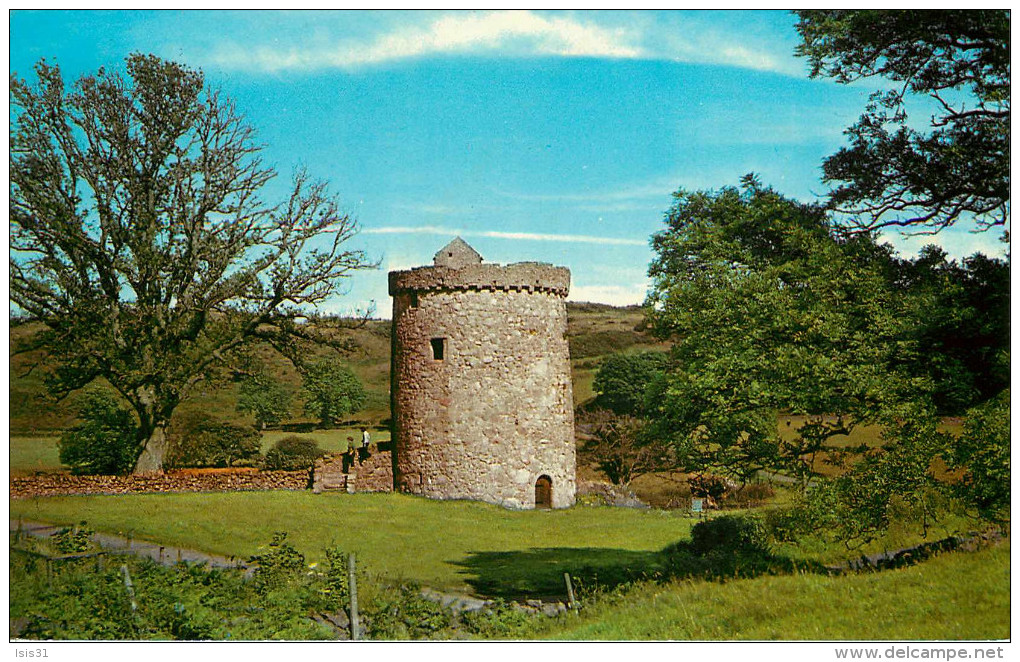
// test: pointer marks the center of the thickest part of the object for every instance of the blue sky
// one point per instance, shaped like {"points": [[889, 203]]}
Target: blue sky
{"points": [[548, 136]]}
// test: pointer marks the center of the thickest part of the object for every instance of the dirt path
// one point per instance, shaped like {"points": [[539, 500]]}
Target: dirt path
{"points": [[163, 554]]}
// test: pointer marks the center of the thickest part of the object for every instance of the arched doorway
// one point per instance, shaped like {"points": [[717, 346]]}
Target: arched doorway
{"points": [[543, 492]]}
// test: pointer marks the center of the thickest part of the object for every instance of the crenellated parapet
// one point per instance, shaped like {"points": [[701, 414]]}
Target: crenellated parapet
{"points": [[522, 276]]}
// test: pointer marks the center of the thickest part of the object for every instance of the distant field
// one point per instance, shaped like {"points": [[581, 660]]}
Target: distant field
{"points": [[31, 454]]}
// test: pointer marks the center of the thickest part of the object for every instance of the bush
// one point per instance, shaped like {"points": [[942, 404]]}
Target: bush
{"points": [[725, 546], [276, 566], [73, 540], [750, 496], [292, 454], [202, 441], [500, 620], [404, 613], [105, 442]]}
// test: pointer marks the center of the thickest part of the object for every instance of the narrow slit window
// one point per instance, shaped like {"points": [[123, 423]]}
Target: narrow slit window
{"points": [[438, 349], [414, 299]]}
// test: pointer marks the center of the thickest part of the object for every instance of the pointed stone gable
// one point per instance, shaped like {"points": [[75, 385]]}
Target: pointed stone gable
{"points": [[457, 254]]}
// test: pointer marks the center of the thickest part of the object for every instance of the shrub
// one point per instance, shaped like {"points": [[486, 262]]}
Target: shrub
{"points": [[73, 540], [750, 496], [729, 534], [292, 454], [707, 486], [276, 566], [199, 440], [725, 546], [500, 620], [404, 613], [105, 442]]}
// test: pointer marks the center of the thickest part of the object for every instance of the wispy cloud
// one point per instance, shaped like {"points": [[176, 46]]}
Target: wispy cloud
{"points": [[517, 236], [660, 188], [511, 32], [515, 33]]}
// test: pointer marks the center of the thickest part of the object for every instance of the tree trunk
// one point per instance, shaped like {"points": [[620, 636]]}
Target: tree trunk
{"points": [[151, 459]]}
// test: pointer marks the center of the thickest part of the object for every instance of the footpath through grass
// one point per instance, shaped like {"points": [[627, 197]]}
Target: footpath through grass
{"points": [[953, 596], [448, 545]]}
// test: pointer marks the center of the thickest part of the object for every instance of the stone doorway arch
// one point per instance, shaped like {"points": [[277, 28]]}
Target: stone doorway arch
{"points": [[543, 492]]}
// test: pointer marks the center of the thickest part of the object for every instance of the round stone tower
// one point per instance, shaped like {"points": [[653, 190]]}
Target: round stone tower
{"points": [[480, 381]]}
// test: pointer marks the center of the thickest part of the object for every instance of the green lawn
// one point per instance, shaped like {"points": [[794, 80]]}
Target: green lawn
{"points": [[453, 545], [953, 596]]}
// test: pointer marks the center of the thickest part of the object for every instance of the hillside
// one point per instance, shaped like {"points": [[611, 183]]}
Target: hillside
{"points": [[594, 331]]}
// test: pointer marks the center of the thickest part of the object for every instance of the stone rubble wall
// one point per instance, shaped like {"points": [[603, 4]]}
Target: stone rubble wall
{"points": [[184, 481], [373, 475], [497, 412]]}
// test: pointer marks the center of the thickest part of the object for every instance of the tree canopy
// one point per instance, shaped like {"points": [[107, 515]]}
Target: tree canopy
{"points": [[622, 381], [142, 239], [332, 391], [951, 66], [773, 309], [768, 312]]}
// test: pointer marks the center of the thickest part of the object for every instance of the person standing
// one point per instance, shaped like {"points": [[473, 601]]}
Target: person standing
{"points": [[366, 439]]}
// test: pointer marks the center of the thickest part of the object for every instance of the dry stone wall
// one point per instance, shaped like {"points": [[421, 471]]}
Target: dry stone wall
{"points": [[481, 391], [182, 481], [375, 474]]}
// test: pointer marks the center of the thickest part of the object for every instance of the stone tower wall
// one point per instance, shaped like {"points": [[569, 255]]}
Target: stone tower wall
{"points": [[496, 412]]}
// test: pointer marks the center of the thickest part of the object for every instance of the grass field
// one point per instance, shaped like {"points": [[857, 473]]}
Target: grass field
{"points": [[453, 545], [953, 596], [485, 550]]}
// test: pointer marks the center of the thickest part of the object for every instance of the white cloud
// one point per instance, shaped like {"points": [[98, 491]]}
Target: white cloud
{"points": [[518, 236], [616, 295], [517, 33], [512, 32], [958, 243]]}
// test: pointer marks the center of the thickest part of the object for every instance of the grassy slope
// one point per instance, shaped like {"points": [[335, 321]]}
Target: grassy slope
{"points": [[36, 421], [453, 545], [594, 332], [954, 596]]}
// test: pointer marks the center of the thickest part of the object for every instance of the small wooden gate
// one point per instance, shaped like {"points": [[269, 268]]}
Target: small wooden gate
{"points": [[543, 492]]}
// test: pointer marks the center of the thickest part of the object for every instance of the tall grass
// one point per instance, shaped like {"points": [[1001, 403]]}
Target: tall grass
{"points": [[953, 596]]}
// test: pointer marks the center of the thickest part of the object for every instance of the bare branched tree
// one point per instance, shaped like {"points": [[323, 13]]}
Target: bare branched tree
{"points": [[141, 241]]}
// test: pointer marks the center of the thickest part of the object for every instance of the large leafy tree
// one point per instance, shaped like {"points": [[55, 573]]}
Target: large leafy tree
{"points": [[142, 241], [951, 69], [769, 311], [622, 381], [332, 391], [772, 308]]}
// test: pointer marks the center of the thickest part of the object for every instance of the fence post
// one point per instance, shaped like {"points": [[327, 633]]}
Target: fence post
{"points": [[570, 590], [352, 583]]}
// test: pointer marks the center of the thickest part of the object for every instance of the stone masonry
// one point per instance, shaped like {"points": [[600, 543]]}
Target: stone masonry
{"points": [[480, 381], [375, 474]]}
